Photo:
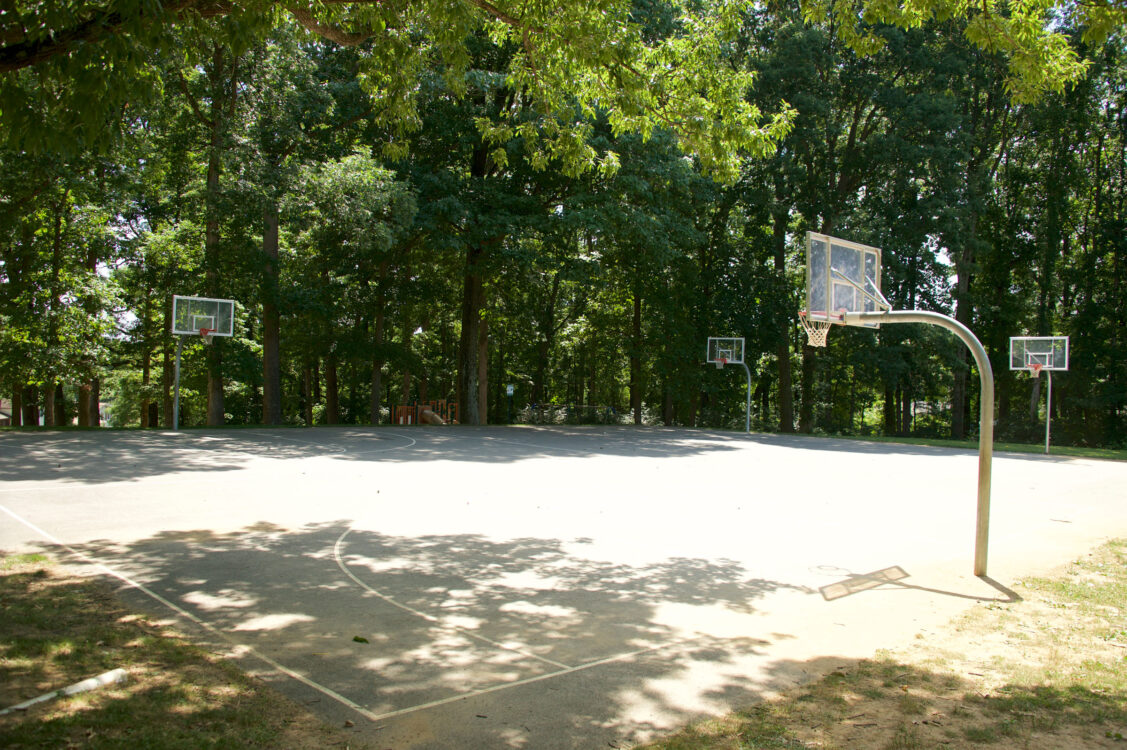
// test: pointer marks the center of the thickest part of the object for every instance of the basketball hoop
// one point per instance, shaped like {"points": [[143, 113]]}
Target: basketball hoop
{"points": [[817, 331], [207, 334], [720, 363], [1035, 369]]}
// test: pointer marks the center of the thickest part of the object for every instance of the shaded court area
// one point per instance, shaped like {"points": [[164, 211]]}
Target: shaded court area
{"points": [[540, 587]]}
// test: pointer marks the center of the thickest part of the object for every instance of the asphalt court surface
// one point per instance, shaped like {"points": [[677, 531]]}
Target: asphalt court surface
{"points": [[541, 587]]}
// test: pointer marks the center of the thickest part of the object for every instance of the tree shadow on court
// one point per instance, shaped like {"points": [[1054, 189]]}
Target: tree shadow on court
{"points": [[465, 639], [94, 457], [879, 448]]}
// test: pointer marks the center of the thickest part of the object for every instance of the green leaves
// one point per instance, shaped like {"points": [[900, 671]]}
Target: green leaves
{"points": [[1028, 32]]}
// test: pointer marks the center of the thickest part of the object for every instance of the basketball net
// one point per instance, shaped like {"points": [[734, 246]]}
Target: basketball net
{"points": [[1035, 369], [817, 331], [720, 363], [207, 334]]}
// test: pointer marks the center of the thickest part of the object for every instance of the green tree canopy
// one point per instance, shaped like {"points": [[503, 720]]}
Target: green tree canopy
{"points": [[72, 70]]}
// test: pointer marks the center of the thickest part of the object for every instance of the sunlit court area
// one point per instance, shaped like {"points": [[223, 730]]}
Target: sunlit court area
{"points": [[496, 375], [546, 587]]}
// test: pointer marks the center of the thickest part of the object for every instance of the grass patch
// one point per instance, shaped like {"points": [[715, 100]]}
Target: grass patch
{"points": [[1049, 671], [59, 629]]}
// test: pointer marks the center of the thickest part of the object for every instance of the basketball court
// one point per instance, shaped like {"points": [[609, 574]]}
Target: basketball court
{"points": [[525, 587]]}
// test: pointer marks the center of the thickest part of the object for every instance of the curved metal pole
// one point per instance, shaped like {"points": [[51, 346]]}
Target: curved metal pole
{"points": [[985, 412]]}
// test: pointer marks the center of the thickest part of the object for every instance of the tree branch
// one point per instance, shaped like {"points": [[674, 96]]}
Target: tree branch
{"points": [[20, 52], [333, 33]]}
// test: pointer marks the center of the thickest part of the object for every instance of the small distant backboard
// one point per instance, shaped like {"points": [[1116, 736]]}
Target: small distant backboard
{"points": [[841, 276], [725, 351], [1039, 353], [193, 316]]}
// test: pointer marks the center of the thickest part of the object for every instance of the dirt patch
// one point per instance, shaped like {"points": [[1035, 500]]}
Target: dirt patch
{"points": [[1048, 671]]}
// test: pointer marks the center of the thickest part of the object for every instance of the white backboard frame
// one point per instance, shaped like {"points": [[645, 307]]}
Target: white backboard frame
{"points": [[1051, 352], [190, 314], [726, 349], [842, 277]]}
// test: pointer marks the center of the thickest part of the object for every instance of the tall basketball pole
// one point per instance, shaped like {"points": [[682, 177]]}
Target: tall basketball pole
{"points": [[985, 410]]}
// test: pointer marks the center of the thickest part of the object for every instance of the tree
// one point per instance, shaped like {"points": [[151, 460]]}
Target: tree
{"points": [[569, 60], [351, 218]]}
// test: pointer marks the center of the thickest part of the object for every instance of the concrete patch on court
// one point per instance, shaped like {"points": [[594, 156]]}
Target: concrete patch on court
{"points": [[542, 587]]}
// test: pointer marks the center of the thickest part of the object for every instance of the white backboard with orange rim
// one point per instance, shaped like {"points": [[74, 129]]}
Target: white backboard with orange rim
{"points": [[841, 277], [725, 350], [191, 316], [1039, 353]]}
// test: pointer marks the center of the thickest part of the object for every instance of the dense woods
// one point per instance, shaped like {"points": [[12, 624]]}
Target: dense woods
{"points": [[387, 247]]}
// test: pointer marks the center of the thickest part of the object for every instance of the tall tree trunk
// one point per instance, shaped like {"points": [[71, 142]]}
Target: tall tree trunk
{"points": [[60, 406], [1035, 399], [166, 386], [964, 312], [332, 391], [84, 405], [307, 394], [473, 302], [906, 410], [17, 408], [377, 342], [30, 406], [472, 344], [56, 291], [146, 377], [271, 320], [223, 84], [889, 413], [408, 335], [806, 406], [780, 219], [95, 402], [49, 405], [636, 361], [87, 416], [146, 356], [483, 372]]}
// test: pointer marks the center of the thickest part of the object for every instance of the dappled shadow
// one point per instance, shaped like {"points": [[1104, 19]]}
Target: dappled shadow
{"points": [[467, 640], [60, 630], [97, 456], [891, 704], [102, 456], [879, 447]]}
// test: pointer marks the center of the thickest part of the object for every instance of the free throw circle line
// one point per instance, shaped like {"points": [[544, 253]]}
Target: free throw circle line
{"points": [[98, 564], [428, 617]]}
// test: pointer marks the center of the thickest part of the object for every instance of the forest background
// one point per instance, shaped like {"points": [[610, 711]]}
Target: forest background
{"points": [[457, 240]]}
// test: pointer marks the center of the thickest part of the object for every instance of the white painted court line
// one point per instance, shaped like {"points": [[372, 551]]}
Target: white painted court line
{"points": [[562, 671], [431, 618], [240, 647], [531, 680]]}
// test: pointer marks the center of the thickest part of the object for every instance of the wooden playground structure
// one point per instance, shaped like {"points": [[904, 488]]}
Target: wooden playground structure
{"points": [[426, 412]]}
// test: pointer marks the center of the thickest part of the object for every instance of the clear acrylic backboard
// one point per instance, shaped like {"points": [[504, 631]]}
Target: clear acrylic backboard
{"points": [[841, 277], [1039, 352], [725, 351], [192, 315]]}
